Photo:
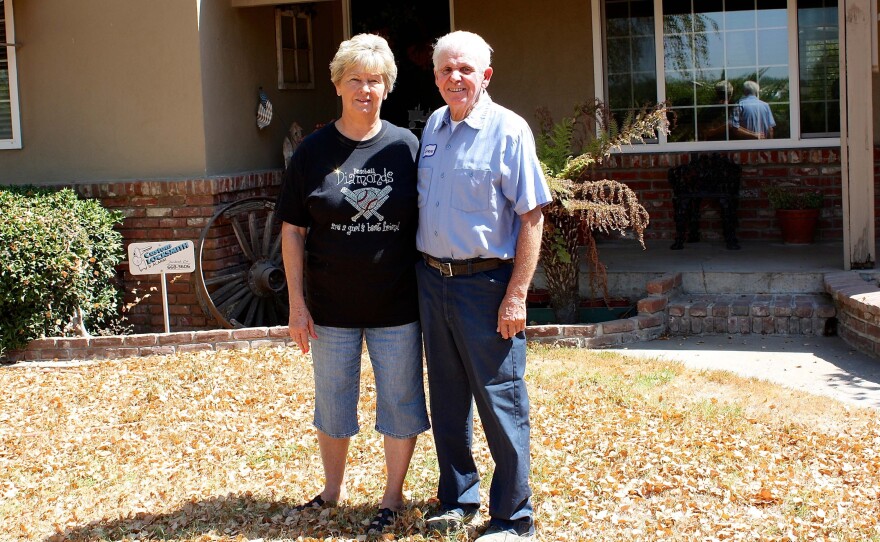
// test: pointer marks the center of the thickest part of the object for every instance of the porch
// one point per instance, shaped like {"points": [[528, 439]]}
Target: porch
{"points": [[759, 267]]}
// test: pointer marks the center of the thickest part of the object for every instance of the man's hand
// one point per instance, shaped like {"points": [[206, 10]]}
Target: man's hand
{"points": [[511, 316], [301, 327]]}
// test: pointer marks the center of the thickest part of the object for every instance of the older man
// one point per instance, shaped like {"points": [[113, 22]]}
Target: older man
{"points": [[752, 117], [481, 189]]}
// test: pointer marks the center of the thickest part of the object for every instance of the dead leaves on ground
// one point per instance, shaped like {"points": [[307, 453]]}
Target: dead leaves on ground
{"points": [[220, 446]]}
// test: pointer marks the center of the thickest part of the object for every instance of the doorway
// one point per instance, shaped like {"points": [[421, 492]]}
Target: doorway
{"points": [[411, 29]]}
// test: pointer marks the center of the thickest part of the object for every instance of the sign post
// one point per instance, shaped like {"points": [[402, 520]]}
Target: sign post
{"points": [[162, 257]]}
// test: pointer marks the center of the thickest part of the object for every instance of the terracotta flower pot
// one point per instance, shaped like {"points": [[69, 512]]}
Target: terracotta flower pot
{"points": [[798, 225]]}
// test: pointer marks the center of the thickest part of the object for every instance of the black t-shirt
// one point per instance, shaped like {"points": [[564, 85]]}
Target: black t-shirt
{"points": [[358, 200]]}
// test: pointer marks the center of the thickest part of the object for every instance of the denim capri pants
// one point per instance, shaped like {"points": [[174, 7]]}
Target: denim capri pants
{"points": [[396, 355]]}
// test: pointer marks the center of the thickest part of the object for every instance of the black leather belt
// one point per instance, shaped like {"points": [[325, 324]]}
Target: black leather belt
{"points": [[451, 268]]}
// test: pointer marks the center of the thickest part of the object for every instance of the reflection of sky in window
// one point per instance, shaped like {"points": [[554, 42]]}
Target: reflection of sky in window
{"points": [[709, 49], [739, 20], [741, 48], [772, 47], [770, 18]]}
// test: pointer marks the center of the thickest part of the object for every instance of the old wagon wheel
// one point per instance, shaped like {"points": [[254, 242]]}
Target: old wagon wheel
{"points": [[239, 273]]}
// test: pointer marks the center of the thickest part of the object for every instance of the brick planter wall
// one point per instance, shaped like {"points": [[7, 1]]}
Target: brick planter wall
{"points": [[762, 314], [149, 344], [857, 298], [163, 210], [649, 323]]}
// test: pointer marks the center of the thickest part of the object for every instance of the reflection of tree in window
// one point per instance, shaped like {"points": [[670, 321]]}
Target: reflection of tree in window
{"points": [[819, 68]]}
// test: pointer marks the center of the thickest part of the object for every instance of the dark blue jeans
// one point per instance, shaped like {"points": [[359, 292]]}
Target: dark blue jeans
{"points": [[469, 362]]}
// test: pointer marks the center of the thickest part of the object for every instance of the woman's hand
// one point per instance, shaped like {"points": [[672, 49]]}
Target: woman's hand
{"points": [[301, 327]]}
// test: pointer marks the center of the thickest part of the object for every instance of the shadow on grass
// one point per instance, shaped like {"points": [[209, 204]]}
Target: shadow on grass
{"points": [[252, 517]]}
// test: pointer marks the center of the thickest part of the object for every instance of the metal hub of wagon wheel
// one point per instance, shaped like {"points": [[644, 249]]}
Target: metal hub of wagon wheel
{"points": [[239, 272]]}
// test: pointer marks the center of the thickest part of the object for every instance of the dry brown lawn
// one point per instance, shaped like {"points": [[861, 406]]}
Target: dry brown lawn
{"points": [[218, 446]]}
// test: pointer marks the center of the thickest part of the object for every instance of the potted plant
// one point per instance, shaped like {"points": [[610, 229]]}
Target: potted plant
{"points": [[570, 150], [797, 211]]}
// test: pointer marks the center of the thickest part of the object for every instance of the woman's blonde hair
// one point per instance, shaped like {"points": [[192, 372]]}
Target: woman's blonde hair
{"points": [[368, 52]]}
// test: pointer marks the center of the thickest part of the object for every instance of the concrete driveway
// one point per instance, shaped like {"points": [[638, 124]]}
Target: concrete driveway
{"points": [[821, 365]]}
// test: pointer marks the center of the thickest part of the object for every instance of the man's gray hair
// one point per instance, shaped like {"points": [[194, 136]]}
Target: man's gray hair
{"points": [[751, 87], [367, 52], [468, 43]]}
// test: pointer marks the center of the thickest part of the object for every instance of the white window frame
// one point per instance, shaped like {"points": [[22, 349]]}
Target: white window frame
{"points": [[15, 142], [795, 141]]}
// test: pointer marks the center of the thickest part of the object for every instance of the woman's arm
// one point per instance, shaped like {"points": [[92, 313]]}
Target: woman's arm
{"points": [[300, 324]]}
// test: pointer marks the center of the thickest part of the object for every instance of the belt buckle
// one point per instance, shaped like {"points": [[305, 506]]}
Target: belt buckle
{"points": [[445, 269]]}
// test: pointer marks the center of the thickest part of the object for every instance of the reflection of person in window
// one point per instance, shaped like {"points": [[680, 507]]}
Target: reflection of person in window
{"points": [[752, 118], [714, 118]]}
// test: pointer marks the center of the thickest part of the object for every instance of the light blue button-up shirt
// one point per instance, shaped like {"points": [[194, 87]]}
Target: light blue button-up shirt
{"points": [[475, 181]]}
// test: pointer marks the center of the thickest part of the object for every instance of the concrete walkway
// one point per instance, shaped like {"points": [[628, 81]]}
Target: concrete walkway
{"points": [[821, 365]]}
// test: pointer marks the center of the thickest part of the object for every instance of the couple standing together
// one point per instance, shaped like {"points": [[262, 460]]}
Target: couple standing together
{"points": [[392, 241]]}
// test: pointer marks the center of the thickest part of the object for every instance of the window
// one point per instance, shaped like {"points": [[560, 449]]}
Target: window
{"points": [[10, 129], [293, 39], [726, 66]]}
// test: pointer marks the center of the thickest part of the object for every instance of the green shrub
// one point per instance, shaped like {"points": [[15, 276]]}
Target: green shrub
{"points": [[57, 253], [793, 198]]}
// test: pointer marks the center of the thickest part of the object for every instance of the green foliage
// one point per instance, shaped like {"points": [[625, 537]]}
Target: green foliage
{"points": [[793, 198], [57, 253], [554, 146], [569, 151]]}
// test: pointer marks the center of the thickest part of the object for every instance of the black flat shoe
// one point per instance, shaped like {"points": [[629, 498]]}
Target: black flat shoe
{"points": [[313, 504], [384, 518]]}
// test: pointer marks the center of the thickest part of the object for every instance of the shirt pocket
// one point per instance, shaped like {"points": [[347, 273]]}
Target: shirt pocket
{"points": [[472, 190], [424, 185]]}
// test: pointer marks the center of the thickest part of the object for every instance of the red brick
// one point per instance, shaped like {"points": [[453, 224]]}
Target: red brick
{"points": [[38, 344], [651, 305], [250, 333], [118, 353], [618, 326], [213, 336], [232, 345], [180, 337], [647, 321], [587, 330], [196, 347], [279, 331], [156, 350], [104, 342], [140, 340], [542, 331], [78, 342]]}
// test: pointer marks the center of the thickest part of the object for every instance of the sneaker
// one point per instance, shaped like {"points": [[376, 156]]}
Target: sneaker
{"points": [[497, 534], [453, 519]]}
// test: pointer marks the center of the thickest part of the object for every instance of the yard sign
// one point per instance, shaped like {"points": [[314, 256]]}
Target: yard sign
{"points": [[162, 257]]}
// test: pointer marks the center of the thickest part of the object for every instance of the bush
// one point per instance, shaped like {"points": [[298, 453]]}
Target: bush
{"points": [[57, 253], [792, 198]]}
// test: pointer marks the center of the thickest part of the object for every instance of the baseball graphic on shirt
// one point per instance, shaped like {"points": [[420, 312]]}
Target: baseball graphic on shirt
{"points": [[367, 201]]}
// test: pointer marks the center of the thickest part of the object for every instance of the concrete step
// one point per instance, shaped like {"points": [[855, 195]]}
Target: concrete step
{"points": [[764, 314], [632, 283]]}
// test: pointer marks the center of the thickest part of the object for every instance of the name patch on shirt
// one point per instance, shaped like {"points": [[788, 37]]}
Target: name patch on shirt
{"points": [[429, 150]]}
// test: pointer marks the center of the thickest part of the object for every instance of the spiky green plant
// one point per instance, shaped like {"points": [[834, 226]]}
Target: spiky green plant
{"points": [[570, 150]]}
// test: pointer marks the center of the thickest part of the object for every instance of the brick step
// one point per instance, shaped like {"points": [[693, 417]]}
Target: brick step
{"points": [[764, 314]]}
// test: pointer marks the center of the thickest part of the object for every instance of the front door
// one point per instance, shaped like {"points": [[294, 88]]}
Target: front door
{"points": [[411, 29]]}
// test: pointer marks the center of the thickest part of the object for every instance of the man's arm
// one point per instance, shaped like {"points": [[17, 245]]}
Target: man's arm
{"points": [[512, 313], [300, 324]]}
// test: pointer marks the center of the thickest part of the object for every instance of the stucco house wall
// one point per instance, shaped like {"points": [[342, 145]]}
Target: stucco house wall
{"points": [[543, 55], [237, 58], [113, 91], [108, 90]]}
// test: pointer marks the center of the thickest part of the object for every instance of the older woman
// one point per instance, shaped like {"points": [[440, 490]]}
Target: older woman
{"points": [[349, 202]]}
